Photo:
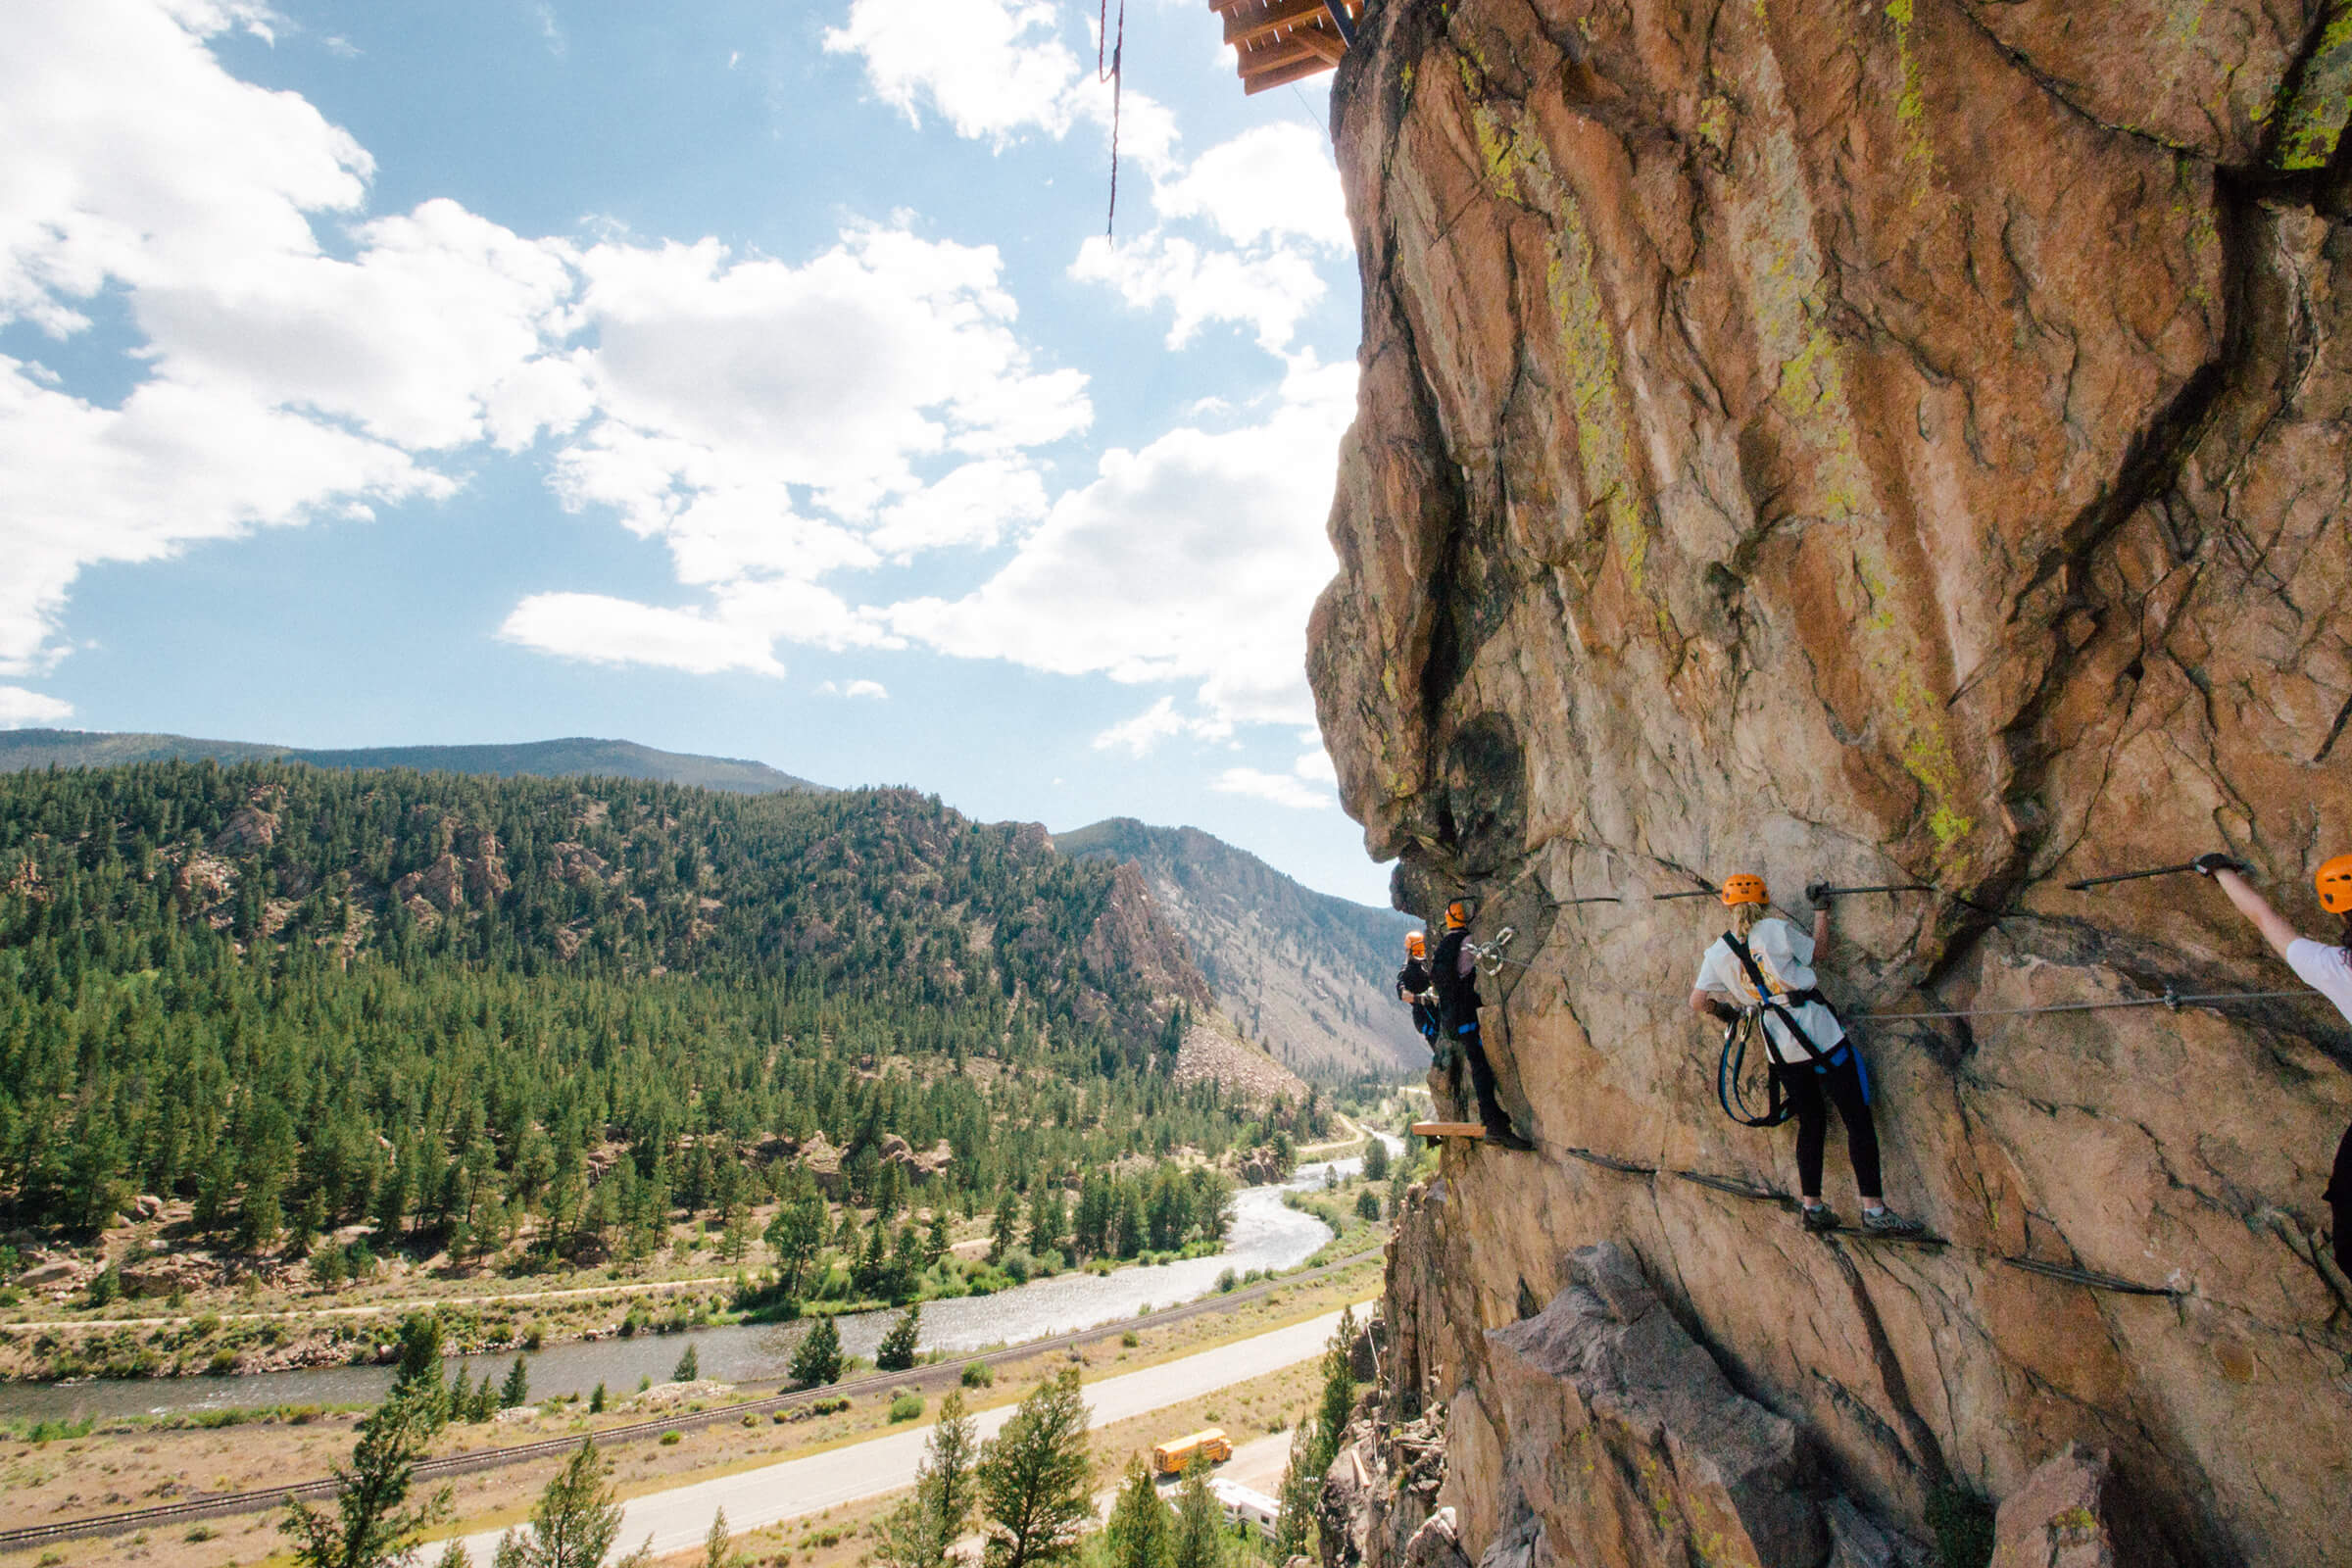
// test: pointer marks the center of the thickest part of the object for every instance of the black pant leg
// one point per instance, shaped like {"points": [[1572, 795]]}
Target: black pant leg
{"points": [[1844, 1086], [2339, 1201], [1803, 1086], [1481, 1079]]}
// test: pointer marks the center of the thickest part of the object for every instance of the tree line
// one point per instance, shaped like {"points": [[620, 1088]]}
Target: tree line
{"points": [[473, 1011]]}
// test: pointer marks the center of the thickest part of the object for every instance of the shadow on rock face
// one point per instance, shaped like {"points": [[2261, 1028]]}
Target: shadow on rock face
{"points": [[1484, 805]]}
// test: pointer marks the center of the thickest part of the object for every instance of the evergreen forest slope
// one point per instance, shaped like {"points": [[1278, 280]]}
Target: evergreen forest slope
{"points": [[1312, 975], [300, 998], [574, 755]]}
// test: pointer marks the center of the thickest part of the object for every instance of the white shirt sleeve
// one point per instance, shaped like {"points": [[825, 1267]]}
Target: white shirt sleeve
{"points": [[1709, 976], [2324, 968]]}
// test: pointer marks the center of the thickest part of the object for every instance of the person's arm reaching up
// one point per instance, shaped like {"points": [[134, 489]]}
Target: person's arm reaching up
{"points": [[2252, 904]]}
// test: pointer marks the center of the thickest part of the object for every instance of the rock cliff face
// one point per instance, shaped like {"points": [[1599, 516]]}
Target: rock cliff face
{"points": [[1885, 442]]}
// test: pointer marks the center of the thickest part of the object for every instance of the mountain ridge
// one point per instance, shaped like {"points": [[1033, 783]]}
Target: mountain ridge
{"points": [[566, 757], [1307, 971]]}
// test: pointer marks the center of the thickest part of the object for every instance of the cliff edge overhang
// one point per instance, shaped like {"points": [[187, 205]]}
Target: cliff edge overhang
{"points": [[1883, 443]]}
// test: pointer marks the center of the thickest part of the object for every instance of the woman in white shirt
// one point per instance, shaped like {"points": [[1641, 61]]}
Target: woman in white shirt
{"points": [[2326, 967], [1765, 963]]}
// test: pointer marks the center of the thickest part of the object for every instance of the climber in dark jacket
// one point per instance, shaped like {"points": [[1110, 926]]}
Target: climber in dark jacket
{"points": [[1454, 972], [1413, 986], [2326, 967]]}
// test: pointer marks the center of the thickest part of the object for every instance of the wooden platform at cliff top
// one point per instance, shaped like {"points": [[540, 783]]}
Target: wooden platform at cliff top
{"points": [[1276, 42]]}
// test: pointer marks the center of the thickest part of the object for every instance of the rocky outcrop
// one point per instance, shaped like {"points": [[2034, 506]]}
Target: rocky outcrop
{"points": [[2058, 1519], [1131, 934], [1310, 974], [1886, 443]]}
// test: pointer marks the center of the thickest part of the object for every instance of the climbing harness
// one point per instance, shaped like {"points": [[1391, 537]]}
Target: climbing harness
{"points": [[1731, 1073], [2128, 876], [1116, 78]]}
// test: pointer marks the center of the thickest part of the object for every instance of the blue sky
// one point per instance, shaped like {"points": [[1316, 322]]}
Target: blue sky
{"points": [[738, 378]]}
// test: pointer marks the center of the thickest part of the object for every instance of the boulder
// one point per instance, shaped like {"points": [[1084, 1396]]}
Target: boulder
{"points": [[1623, 1435], [2058, 1519]]}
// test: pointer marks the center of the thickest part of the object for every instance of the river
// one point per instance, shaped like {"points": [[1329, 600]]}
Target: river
{"points": [[1266, 1234]]}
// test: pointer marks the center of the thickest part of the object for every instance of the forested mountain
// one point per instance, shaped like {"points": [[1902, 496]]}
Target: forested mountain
{"points": [[1310, 975], [301, 997], [574, 757]]}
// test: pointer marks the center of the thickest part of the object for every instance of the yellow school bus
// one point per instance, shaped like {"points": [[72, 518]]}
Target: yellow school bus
{"points": [[1169, 1458]]}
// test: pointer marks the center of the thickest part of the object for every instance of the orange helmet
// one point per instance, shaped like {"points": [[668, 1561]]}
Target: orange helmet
{"points": [[2335, 883], [1458, 915], [1416, 945], [1744, 889]]}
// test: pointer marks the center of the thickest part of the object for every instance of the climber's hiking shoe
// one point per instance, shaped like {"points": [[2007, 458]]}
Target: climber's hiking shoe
{"points": [[1820, 1219], [1887, 1222], [1505, 1136]]}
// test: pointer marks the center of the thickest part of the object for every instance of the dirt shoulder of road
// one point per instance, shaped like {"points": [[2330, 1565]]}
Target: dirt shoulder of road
{"points": [[134, 1466]]}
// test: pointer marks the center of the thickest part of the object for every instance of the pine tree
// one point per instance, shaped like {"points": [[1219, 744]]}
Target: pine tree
{"points": [[575, 1521], [1199, 1540], [516, 1389], [816, 1359], [1337, 1404], [1140, 1529], [897, 1351], [1007, 1222], [596, 1401], [719, 1547], [1034, 1478], [1300, 1497], [689, 1368], [372, 1526], [920, 1529]]}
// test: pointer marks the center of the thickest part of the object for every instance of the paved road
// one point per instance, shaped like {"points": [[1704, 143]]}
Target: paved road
{"points": [[679, 1517]]}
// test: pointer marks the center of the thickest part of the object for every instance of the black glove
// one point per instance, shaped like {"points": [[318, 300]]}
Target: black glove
{"points": [[1724, 1011], [2207, 865], [1817, 894]]}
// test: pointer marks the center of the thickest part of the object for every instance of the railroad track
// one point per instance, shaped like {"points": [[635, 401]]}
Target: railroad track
{"points": [[926, 1377]]}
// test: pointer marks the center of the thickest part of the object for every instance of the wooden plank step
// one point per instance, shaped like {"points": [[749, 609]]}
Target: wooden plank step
{"points": [[1249, 27], [1284, 75], [1447, 1129], [1277, 54]]}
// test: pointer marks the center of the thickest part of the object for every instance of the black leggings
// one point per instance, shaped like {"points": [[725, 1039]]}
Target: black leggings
{"points": [[2339, 1201], [1813, 1092]]}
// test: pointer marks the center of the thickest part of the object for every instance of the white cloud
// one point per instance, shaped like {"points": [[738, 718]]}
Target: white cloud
{"points": [[601, 630], [762, 419], [1282, 789], [873, 689], [1271, 183], [173, 465], [1316, 766], [1270, 291], [992, 69], [279, 383], [1142, 734], [20, 709], [1195, 560]]}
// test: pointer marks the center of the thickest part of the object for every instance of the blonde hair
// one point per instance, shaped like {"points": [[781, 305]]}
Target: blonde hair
{"points": [[1744, 917]]}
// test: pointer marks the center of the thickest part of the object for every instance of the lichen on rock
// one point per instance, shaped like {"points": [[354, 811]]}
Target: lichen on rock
{"points": [[1882, 442]]}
